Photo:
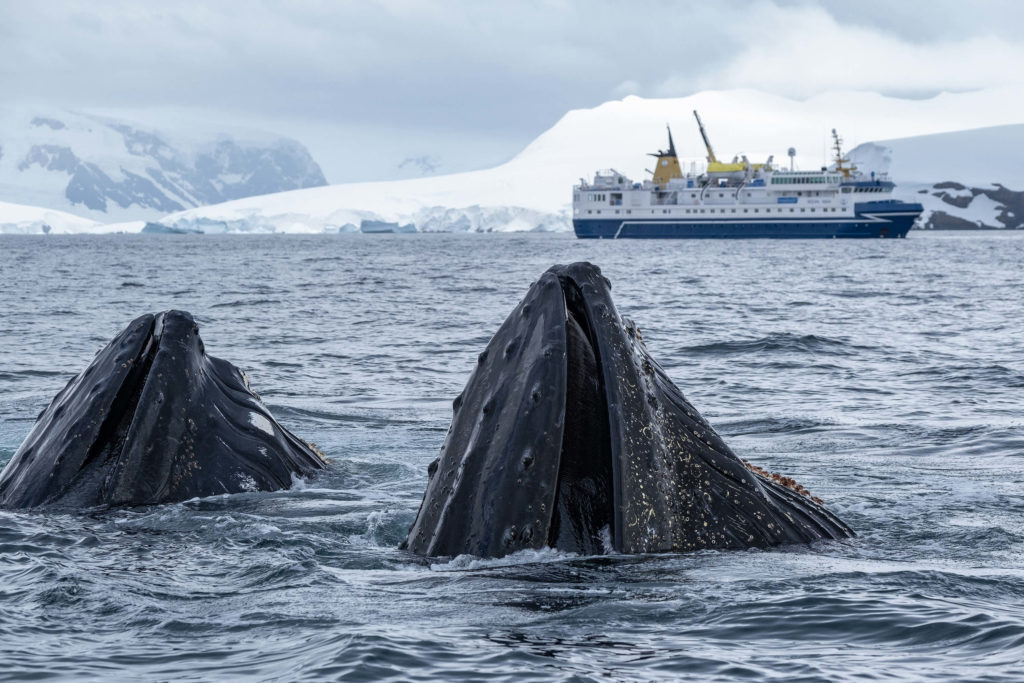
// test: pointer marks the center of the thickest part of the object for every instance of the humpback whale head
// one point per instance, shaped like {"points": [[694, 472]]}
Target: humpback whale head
{"points": [[153, 419], [569, 435]]}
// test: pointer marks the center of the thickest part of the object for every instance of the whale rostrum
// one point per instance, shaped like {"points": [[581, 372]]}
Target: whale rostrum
{"points": [[153, 419], [569, 435]]}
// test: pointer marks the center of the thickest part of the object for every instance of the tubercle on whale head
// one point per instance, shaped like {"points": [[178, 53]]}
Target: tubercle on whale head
{"points": [[624, 460]]}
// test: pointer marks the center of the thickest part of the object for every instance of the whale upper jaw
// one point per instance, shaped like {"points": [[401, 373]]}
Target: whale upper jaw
{"points": [[152, 419], [569, 435]]}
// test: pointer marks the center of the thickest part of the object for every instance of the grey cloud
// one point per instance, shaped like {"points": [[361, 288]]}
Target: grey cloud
{"points": [[507, 70]]}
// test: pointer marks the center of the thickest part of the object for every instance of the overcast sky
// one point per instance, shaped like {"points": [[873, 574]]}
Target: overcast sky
{"points": [[467, 84]]}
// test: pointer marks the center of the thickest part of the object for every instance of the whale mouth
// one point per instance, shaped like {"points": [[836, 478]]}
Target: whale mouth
{"points": [[153, 419], [569, 435], [113, 433], [582, 517]]}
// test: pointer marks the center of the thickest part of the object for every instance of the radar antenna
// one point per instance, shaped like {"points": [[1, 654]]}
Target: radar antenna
{"points": [[671, 151]]}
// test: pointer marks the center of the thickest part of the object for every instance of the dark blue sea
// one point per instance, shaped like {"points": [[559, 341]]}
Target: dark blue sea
{"points": [[887, 376]]}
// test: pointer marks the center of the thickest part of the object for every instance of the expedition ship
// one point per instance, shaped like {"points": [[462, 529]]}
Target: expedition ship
{"points": [[740, 200]]}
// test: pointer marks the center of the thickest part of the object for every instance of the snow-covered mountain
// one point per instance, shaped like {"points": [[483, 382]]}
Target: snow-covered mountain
{"points": [[533, 190], [109, 169], [965, 180]]}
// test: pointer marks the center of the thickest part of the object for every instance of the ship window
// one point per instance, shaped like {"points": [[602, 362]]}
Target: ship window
{"points": [[746, 210], [702, 210], [792, 210], [812, 210], [616, 211], [756, 210], [629, 211], [846, 190], [693, 195], [799, 194], [734, 210], [748, 194], [720, 194], [802, 210], [589, 211]]}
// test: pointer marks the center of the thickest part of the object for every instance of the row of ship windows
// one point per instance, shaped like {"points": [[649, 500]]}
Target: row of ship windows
{"points": [[817, 180], [616, 197], [802, 210]]}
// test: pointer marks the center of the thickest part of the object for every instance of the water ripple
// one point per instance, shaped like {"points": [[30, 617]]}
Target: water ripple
{"points": [[885, 376]]}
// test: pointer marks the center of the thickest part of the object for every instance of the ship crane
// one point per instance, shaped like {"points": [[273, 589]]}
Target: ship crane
{"points": [[707, 143], [716, 166]]}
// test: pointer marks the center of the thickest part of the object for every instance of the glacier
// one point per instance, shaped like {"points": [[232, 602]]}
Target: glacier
{"points": [[26, 220]]}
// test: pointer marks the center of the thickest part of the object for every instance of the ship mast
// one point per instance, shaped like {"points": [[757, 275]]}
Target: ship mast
{"points": [[707, 143], [841, 161]]}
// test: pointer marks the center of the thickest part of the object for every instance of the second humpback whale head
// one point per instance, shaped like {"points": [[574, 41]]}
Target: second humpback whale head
{"points": [[569, 435], [153, 419]]}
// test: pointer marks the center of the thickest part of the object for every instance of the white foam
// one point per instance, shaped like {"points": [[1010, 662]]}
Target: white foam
{"points": [[472, 562]]}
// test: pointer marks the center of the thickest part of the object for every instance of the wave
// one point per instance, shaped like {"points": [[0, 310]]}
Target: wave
{"points": [[782, 342]]}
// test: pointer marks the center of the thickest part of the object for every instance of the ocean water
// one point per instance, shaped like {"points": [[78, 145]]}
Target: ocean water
{"points": [[886, 376]]}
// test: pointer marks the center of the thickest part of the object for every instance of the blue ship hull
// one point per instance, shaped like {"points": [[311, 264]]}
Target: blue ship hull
{"points": [[890, 218]]}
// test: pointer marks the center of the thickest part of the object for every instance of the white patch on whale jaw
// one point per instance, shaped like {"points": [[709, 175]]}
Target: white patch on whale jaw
{"points": [[261, 422]]}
